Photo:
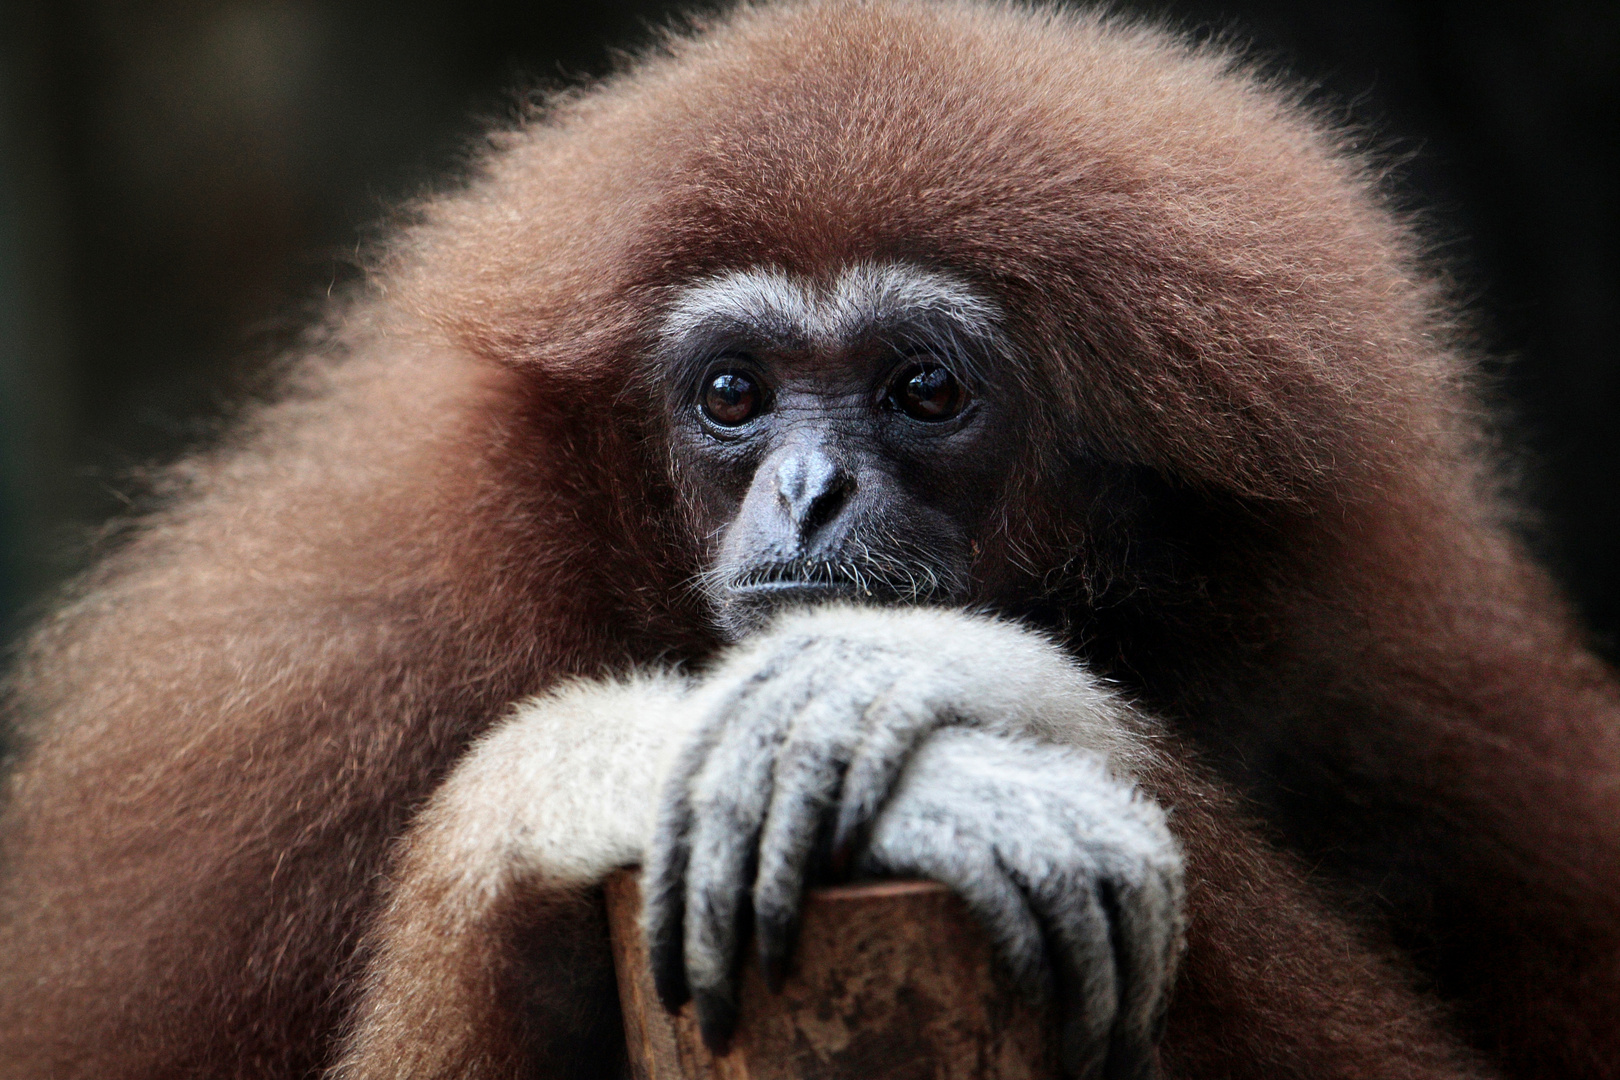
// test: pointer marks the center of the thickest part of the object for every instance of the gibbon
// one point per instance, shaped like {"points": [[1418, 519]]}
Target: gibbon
{"points": [[1009, 446]]}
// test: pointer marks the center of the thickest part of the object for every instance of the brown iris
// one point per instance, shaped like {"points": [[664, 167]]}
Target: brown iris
{"points": [[928, 392], [731, 398]]}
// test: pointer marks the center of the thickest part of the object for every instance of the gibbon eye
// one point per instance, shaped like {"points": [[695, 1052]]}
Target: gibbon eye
{"points": [[928, 392], [731, 398]]}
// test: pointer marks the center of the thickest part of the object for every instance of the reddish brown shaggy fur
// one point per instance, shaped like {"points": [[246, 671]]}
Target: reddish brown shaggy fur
{"points": [[1289, 549]]}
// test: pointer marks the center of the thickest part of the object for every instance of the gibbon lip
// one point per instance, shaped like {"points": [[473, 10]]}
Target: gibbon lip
{"points": [[787, 589], [822, 580]]}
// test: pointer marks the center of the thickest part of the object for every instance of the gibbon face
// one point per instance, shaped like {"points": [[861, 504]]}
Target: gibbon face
{"points": [[838, 438]]}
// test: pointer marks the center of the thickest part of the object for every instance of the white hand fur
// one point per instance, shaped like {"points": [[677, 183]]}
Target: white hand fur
{"points": [[823, 742], [908, 741]]}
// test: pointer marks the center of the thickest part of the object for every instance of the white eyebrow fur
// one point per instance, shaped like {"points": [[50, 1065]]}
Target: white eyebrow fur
{"points": [[865, 298]]}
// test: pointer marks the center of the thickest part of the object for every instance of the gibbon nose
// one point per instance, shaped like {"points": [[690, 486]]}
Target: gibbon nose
{"points": [[812, 488]]}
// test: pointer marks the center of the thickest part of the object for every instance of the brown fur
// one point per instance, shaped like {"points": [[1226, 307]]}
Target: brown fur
{"points": [[1288, 547]]}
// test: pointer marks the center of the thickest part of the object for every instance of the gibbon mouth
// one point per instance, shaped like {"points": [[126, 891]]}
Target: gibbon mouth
{"points": [[802, 581], [788, 591], [806, 582], [753, 598]]}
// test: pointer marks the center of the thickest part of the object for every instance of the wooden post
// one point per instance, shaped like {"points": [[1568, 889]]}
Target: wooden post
{"points": [[891, 981]]}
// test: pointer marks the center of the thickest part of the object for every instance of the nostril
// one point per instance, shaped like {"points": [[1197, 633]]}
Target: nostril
{"points": [[825, 505]]}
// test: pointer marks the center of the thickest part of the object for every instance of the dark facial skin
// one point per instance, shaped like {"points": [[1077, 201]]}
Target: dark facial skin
{"points": [[868, 472]]}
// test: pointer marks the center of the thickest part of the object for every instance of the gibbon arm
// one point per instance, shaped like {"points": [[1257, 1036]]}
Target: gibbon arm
{"points": [[542, 808], [490, 958]]}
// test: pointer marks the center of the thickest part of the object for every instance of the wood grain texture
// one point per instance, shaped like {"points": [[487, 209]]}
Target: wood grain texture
{"points": [[891, 981]]}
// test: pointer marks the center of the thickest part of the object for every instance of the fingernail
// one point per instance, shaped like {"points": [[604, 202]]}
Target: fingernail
{"points": [[774, 968], [838, 860], [671, 989], [717, 1021]]}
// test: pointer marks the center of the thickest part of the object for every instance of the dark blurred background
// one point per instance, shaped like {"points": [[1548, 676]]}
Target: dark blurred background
{"points": [[181, 179]]}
